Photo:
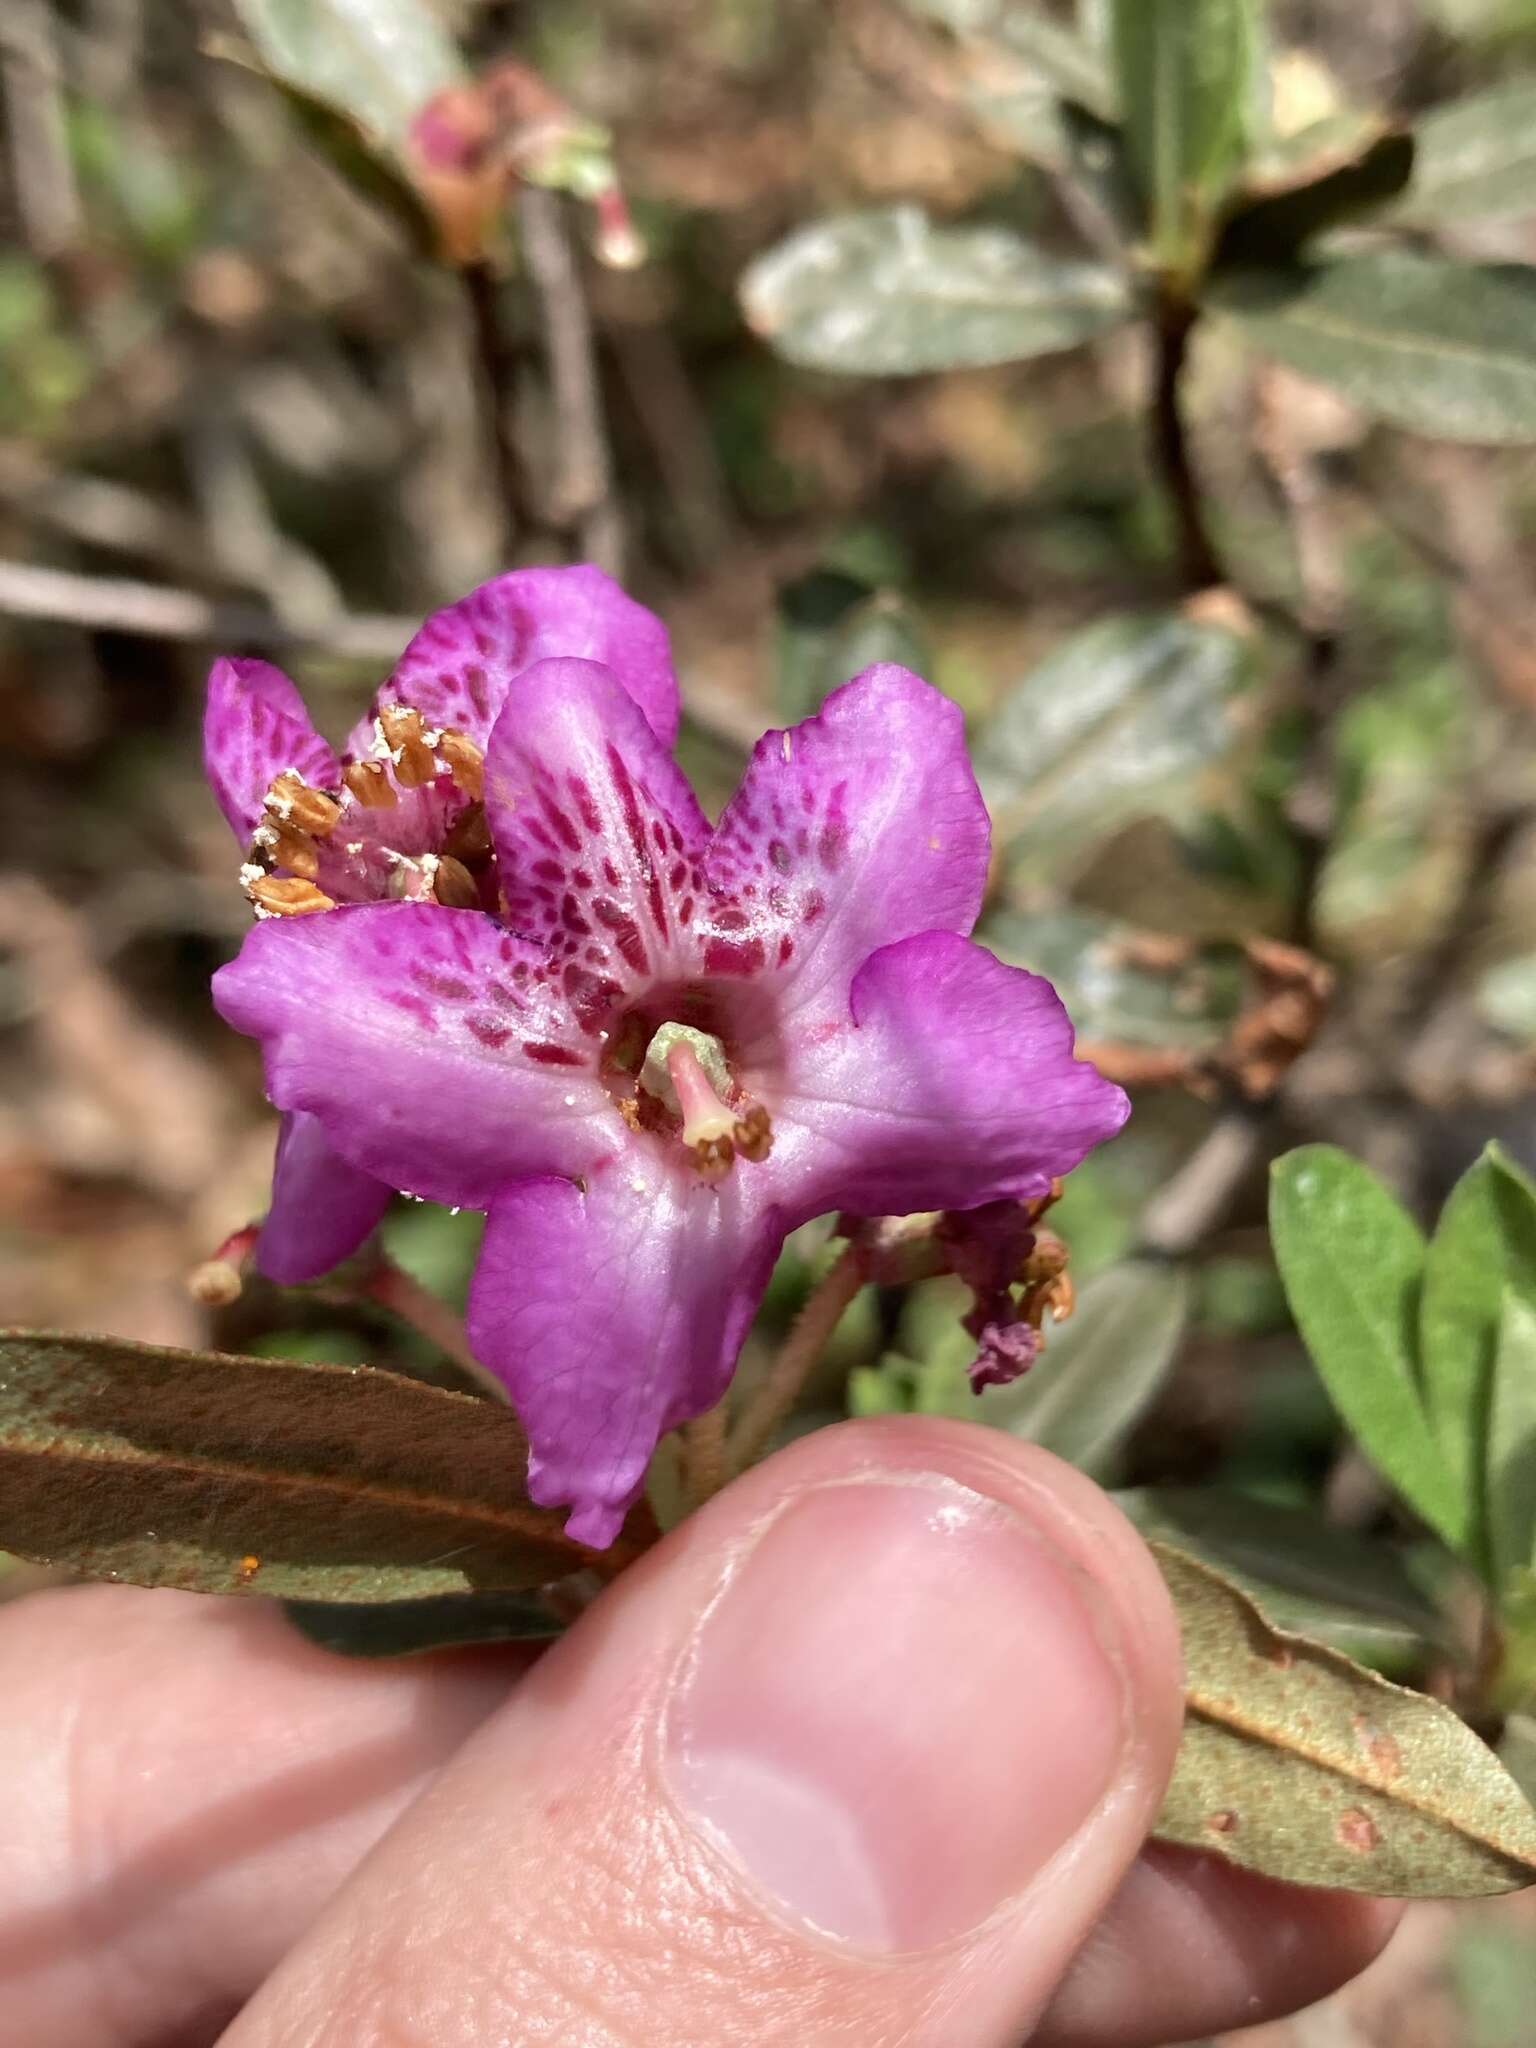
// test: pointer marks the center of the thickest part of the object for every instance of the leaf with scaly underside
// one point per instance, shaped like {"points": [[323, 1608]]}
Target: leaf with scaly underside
{"points": [[1298, 1764], [234, 1475]]}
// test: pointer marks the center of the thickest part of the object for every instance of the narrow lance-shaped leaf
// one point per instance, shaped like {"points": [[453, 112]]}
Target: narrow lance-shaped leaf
{"points": [[887, 293], [1184, 71], [1298, 1764], [232, 1475], [1484, 1242], [1512, 1440], [1352, 1261], [1440, 348], [1476, 158]]}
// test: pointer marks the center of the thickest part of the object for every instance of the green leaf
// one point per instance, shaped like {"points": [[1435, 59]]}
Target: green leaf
{"points": [[1310, 1575], [1484, 1243], [407, 1628], [231, 1475], [1101, 1369], [1121, 722], [1066, 63], [1298, 1764], [1185, 70], [886, 293], [1511, 1474], [1269, 226], [1352, 1261], [378, 61], [1397, 864], [1440, 348], [1476, 158]]}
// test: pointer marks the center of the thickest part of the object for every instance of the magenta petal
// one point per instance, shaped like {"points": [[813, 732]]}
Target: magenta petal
{"points": [[424, 1042], [254, 727], [598, 836], [459, 668], [322, 1209], [859, 827], [612, 1315], [954, 1084]]}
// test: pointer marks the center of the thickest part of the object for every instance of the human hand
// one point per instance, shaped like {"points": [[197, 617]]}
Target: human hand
{"points": [[864, 1752]]}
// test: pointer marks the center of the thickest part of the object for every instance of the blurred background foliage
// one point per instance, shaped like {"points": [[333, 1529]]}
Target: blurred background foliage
{"points": [[1258, 741]]}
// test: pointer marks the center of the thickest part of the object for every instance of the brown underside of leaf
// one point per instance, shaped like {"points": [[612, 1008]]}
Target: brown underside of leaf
{"points": [[1297, 1763], [227, 1475]]}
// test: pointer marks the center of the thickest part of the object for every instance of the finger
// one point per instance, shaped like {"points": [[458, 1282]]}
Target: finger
{"points": [[860, 1753], [1247, 1950], [187, 1781]]}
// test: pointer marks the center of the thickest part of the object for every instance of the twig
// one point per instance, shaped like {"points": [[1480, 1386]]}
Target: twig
{"points": [[483, 299], [393, 1288], [111, 604], [42, 175], [775, 1395], [583, 499], [1173, 324], [1182, 1214], [705, 1464]]}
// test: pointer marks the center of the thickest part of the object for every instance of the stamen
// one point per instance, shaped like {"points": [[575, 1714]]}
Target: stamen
{"points": [[370, 784], [466, 762], [286, 896], [406, 738], [712, 1157], [294, 850], [753, 1134], [291, 801]]}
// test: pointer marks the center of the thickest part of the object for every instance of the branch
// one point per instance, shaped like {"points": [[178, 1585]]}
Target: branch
{"points": [[111, 604], [583, 497], [1172, 326]]}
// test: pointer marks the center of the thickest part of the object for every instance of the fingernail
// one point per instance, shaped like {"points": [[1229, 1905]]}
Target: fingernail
{"points": [[904, 1703]]}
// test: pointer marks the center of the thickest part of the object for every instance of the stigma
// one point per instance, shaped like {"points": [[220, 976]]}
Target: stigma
{"points": [[713, 1132]]}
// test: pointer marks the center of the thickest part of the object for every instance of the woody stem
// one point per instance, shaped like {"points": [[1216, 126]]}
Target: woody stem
{"points": [[780, 1387], [705, 1466], [393, 1288]]}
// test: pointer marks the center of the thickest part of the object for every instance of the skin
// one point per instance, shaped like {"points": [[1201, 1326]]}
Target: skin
{"points": [[211, 1825]]}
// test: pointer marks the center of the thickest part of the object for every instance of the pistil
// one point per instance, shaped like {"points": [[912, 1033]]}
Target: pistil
{"points": [[713, 1133]]}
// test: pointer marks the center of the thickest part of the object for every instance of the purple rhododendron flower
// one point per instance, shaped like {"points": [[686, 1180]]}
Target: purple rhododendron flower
{"points": [[659, 1047], [395, 818]]}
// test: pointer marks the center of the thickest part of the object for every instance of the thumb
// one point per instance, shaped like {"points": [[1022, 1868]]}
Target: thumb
{"points": [[859, 1753]]}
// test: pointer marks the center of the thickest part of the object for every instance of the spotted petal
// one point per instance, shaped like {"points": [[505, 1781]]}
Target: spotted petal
{"points": [[458, 670], [953, 1082], [322, 1209], [861, 826], [613, 1313], [254, 727], [428, 1043], [598, 836]]}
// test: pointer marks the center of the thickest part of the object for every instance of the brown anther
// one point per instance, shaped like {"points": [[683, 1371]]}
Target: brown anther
{"points": [[453, 885], [295, 851], [291, 801], [405, 736], [753, 1134], [287, 896], [1061, 1297], [369, 782], [469, 837], [466, 762], [713, 1157]]}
